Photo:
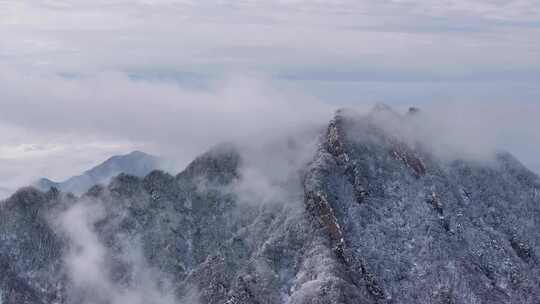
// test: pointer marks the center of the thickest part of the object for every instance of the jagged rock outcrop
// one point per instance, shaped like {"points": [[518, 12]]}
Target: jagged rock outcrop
{"points": [[375, 217], [414, 229]]}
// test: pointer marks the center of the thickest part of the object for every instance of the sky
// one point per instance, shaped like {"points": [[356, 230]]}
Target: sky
{"points": [[83, 80]]}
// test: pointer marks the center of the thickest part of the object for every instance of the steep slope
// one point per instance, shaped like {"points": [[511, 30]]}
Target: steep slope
{"points": [[189, 232], [135, 163], [375, 217], [414, 229], [30, 251]]}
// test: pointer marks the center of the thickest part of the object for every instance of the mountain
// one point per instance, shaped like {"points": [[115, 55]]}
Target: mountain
{"points": [[135, 163], [373, 216]]}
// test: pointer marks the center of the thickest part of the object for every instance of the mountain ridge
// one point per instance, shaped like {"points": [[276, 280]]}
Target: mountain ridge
{"points": [[135, 163], [379, 218]]}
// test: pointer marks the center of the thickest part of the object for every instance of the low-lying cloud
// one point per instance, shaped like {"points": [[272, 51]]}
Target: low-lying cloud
{"points": [[88, 263], [479, 128], [62, 126], [272, 169], [65, 88], [470, 130], [112, 105], [115, 111]]}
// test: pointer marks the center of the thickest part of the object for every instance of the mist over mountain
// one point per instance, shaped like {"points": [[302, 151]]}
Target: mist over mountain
{"points": [[136, 163], [5, 192], [277, 181], [365, 208]]}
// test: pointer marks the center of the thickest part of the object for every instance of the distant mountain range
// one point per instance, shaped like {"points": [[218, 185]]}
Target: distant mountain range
{"points": [[136, 163]]}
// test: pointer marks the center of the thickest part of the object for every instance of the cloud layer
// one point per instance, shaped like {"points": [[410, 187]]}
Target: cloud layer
{"points": [[72, 120], [446, 38], [81, 80]]}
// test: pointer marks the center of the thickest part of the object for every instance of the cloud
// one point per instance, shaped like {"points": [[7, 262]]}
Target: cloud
{"points": [[212, 36], [443, 47], [27, 154], [477, 128], [114, 105], [86, 260], [76, 119], [88, 265], [473, 131], [106, 77], [272, 169]]}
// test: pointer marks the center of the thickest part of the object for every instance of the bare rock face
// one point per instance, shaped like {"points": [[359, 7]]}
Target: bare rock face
{"points": [[375, 217]]}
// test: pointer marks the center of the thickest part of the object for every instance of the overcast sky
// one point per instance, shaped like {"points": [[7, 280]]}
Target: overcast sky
{"points": [[81, 80]]}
